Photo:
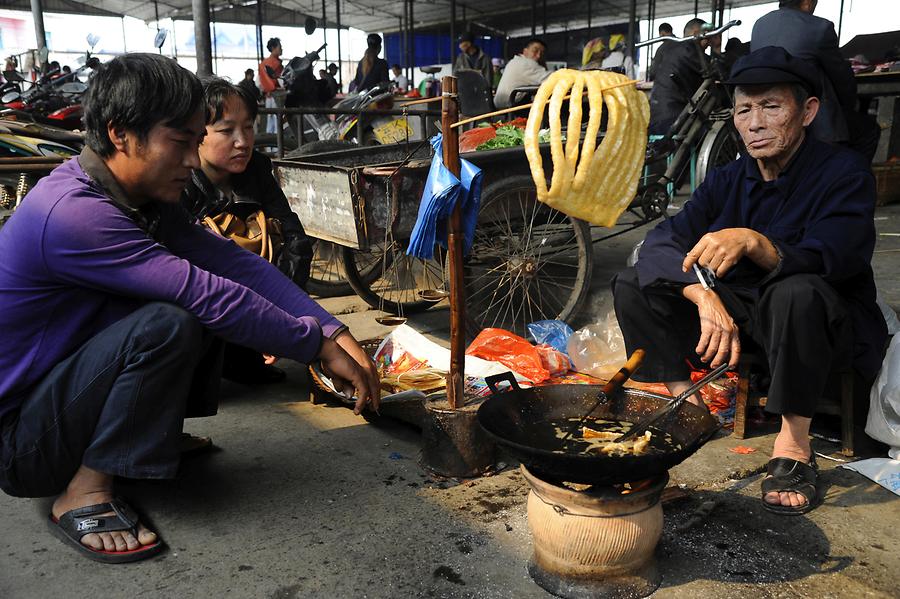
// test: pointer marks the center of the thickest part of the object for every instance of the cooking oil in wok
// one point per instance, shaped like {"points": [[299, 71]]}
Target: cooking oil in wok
{"points": [[549, 434]]}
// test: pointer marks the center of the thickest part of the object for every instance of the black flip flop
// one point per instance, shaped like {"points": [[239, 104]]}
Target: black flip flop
{"points": [[787, 475], [74, 524]]}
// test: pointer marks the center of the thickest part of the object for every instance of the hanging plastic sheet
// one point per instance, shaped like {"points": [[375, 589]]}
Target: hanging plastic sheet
{"points": [[442, 190]]}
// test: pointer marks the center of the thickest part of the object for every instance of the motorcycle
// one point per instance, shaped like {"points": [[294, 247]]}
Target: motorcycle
{"points": [[304, 89], [51, 100], [31, 142]]}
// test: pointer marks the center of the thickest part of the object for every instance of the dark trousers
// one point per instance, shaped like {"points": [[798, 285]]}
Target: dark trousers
{"points": [[116, 405], [799, 322]]}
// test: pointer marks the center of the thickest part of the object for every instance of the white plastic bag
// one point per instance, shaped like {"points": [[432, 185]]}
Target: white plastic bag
{"points": [[883, 423], [598, 349]]}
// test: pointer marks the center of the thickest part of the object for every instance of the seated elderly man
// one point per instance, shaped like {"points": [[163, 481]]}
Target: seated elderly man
{"points": [[113, 304], [787, 234]]}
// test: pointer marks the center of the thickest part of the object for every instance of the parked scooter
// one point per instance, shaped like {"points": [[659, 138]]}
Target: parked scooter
{"points": [[33, 144], [304, 89], [52, 99]]}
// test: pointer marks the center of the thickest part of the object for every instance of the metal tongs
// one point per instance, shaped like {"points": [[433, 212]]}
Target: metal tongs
{"points": [[670, 408], [618, 379]]}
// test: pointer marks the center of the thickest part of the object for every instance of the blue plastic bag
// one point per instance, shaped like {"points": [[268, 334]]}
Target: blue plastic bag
{"points": [[442, 190], [554, 333]]}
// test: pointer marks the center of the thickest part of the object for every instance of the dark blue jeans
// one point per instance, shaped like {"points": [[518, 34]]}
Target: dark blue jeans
{"points": [[116, 405]]}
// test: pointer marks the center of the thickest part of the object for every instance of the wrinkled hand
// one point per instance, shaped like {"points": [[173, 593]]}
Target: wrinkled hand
{"points": [[721, 250], [347, 375], [349, 344], [719, 335]]}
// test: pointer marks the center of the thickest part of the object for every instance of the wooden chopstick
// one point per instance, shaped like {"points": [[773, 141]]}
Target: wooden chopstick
{"points": [[527, 106]]}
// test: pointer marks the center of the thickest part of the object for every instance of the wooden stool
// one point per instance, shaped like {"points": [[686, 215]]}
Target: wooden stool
{"points": [[841, 406]]}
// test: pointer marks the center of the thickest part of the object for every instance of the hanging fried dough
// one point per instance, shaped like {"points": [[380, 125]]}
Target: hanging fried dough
{"points": [[598, 185]]}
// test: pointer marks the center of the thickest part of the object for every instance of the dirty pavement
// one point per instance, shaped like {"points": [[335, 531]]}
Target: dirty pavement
{"points": [[301, 500]]}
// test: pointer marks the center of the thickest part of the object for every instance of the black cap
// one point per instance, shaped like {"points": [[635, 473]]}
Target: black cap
{"points": [[773, 65], [467, 37]]}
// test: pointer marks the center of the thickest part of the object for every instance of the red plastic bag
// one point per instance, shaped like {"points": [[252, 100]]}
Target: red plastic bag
{"points": [[510, 350]]}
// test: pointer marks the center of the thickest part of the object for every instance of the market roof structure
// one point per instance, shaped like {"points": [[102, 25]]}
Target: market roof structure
{"points": [[498, 16]]}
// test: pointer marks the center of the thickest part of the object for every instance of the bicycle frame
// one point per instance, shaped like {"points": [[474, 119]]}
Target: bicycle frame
{"points": [[709, 103]]}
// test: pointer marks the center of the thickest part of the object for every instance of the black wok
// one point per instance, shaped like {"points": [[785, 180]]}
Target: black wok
{"points": [[506, 416]]}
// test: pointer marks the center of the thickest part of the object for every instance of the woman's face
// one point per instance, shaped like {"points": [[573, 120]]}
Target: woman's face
{"points": [[229, 141]]}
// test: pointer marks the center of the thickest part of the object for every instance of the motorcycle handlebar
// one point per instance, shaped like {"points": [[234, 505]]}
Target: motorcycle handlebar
{"points": [[706, 35]]}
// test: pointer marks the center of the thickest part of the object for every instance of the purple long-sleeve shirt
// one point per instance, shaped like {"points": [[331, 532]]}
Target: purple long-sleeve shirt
{"points": [[72, 263]]}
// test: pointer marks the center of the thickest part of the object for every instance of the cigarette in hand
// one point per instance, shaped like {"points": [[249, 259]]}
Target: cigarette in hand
{"points": [[700, 277]]}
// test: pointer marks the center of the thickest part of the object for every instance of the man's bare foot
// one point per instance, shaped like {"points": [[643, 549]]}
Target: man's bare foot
{"points": [[89, 487], [792, 442]]}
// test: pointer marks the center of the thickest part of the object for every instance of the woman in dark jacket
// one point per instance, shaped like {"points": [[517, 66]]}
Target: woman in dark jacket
{"points": [[371, 70], [236, 179]]}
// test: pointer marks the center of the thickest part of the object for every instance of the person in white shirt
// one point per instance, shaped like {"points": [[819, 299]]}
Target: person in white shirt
{"points": [[524, 69], [400, 80], [617, 59]]}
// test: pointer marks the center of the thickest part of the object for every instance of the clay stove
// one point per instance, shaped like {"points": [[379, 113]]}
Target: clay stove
{"points": [[596, 542]]}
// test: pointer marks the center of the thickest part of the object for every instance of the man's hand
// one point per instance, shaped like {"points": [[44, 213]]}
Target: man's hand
{"points": [[349, 344], [347, 375], [721, 250], [719, 335]]}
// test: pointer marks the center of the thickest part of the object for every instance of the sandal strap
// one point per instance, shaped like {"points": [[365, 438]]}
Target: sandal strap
{"points": [[787, 475], [87, 520]]}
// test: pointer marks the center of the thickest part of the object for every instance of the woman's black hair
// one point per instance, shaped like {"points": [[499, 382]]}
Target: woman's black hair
{"points": [[216, 92], [137, 92]]}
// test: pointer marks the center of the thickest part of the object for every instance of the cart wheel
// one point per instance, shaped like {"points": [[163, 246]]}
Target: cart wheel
{"points": [[721, 145], [397, 278], [528, 261], [326, 273]]}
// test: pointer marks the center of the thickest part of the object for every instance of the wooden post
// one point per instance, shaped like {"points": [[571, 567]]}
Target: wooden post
{"points": [[449, 115]]}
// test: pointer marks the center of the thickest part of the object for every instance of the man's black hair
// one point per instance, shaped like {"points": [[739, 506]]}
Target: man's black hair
{"points": [[248, 72], [137, 92], [273, 43], [217, 91], [535, 40], [395, 66], [665, 27], [694, 23], [789, 3]]}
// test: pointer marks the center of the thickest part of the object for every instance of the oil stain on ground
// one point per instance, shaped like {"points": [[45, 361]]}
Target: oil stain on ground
{"points": [[448, 574]]}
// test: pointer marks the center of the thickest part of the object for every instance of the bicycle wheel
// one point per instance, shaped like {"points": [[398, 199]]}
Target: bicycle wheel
{"points": [[387, 279], [528, 261], [326, 272], [721, 145]]}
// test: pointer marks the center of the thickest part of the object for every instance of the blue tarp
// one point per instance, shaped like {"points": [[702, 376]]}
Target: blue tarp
{"points": [[434, 49]]}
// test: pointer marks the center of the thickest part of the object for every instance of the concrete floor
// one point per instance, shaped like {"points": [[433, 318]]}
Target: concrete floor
{"points": [[303, 500]]}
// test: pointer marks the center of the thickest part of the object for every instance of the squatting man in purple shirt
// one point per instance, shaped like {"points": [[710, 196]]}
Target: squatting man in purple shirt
{"points": [[114, 306]]}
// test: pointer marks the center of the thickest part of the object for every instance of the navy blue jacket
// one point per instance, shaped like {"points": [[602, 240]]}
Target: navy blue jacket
{"points": [[819, 215]]}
